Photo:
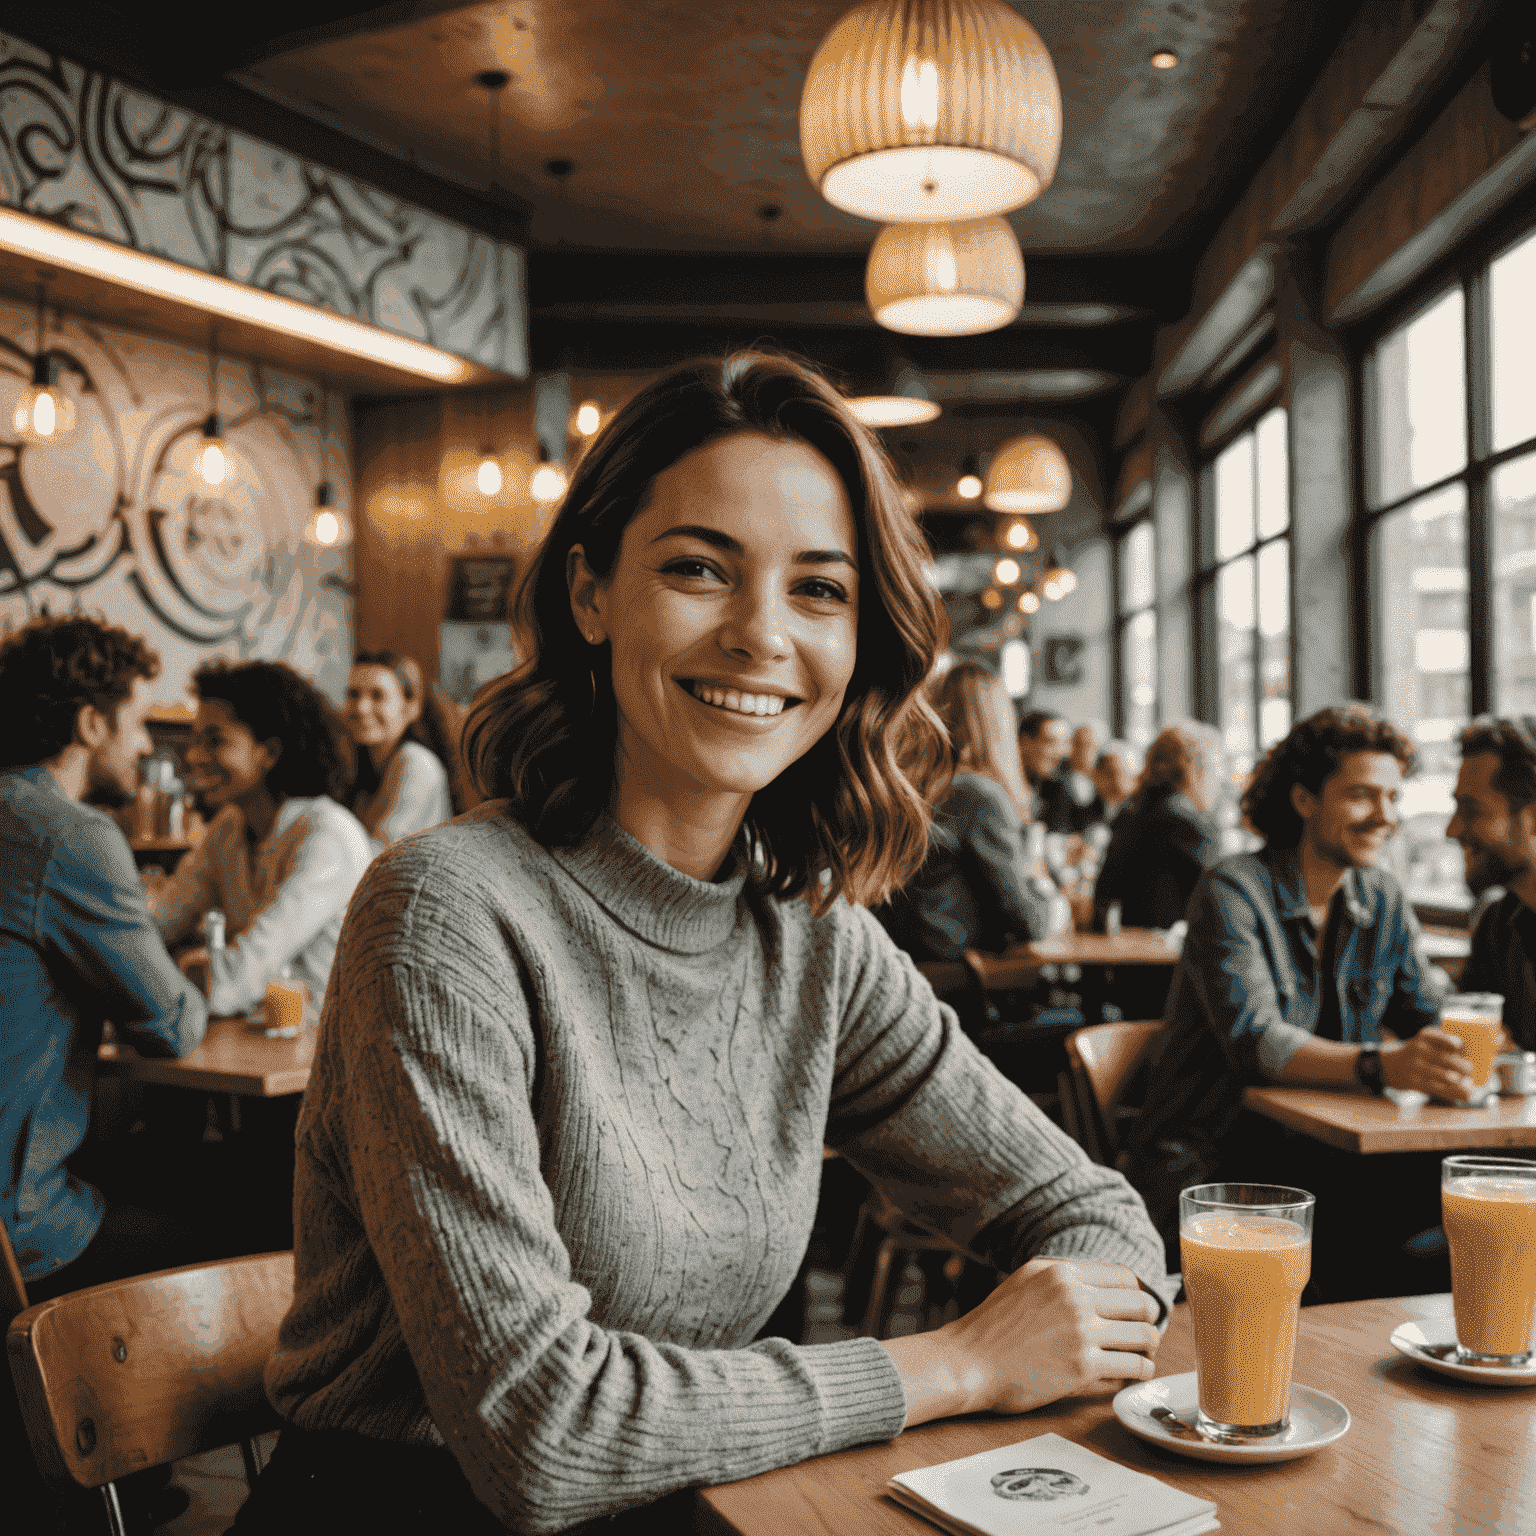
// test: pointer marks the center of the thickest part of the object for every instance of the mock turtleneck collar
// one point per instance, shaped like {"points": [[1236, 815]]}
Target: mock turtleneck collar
{"points": [[648, 896]]}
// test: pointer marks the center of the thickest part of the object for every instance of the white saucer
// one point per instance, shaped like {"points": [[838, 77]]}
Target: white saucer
{"points": [[1418, 1338], [1316, 1420]]}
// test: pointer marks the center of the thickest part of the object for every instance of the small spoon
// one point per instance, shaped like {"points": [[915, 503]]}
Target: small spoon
{"points": [[1177, 1426]]}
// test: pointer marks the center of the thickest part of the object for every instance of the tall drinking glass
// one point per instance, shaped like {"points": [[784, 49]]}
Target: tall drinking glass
{"points": [[1488, 1205], [1475, 1018], [1247, 1255]]}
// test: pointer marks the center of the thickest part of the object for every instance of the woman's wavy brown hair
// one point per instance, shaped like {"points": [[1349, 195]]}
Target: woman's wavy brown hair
{"points": [[977, 713], [850, 817]]}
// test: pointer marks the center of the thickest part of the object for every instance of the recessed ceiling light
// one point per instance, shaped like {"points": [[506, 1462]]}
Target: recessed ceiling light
{"points": [[893, 410], [1164, 58]]}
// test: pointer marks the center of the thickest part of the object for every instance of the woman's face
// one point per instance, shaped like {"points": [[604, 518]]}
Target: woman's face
{"points": [[225, 759], [732, 616], [377, 711]]}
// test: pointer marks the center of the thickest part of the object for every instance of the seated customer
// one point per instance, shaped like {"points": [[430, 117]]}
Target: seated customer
{"points": [[1044, 741], [1115, 772], [1070, 797], [76, 943], [77, 946], [281, 858], [975, 889], [405, 733], [1302, 965], [1165, 838], [1495, 823]]}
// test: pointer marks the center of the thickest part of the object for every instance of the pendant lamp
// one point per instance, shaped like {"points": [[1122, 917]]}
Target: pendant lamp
{"points": [[1028, 474], [922, 111], [1057, 580], [328, 526], [945, 279], [44, 413]]}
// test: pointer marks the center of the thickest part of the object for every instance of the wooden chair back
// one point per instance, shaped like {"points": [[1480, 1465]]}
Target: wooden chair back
{"points": [[140, 1372], [1103, 1059], [13, 1289]]}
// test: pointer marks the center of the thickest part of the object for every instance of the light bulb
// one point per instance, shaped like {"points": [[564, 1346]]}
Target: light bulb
{"points": [[1029, 602], [1006, 572], [548, 483], [327, 529], [991, 598], [1020, 536], [1164, 58], [44, 414], [968, 487], [212, 464], [1066, 581], [488, 476], [588, 418]]}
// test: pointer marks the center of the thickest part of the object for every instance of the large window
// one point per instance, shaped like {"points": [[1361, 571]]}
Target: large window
{"points": [[1450, 483], [1248, 584], [1138, 634]]}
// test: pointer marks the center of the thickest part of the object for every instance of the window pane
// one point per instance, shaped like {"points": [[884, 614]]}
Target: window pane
{"points": [[1234, 498], [1512, 331], [1274, 642], [1138, 664], [1234, 647], [1421, 401], [1274, 473], [1421, 561], [1512, 498], [1136, 568]]}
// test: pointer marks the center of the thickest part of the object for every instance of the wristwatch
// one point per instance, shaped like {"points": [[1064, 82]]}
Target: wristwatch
{"points": [[1368, 1067]]}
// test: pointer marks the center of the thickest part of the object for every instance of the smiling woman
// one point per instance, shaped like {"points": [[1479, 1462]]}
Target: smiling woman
{"points": [[584, 1046]]}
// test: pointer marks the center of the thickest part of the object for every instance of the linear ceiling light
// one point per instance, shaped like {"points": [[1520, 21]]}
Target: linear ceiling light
{"points": [[893, 410], [51, 243]]}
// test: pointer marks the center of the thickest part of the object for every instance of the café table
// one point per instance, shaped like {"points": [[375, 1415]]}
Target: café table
{"points": [[234, 1058], [1360, 1122], [1423, 1452]]}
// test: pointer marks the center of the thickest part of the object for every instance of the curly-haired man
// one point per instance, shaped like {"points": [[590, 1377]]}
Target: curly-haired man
{"points": [[1302, 965]]}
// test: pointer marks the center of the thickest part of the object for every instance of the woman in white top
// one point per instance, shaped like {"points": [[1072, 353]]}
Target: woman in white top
{"points": [[405, 732], [282, 857]]}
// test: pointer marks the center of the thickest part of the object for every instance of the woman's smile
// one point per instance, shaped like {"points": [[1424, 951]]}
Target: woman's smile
{"points": [[738, 700]]}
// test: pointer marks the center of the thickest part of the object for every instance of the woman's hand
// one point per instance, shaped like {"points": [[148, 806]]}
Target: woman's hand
{"points": [[1432, 1063], [1053, 1328]]}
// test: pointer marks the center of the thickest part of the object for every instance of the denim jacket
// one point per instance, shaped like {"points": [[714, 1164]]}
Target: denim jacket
{"points": [[1247, 993]]}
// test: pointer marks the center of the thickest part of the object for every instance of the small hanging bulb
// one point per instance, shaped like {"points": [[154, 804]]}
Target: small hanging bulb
{"points": [[588, 418], [327, 528], [1029, 602], [44, 414], [1020, 536], [212, 460], [548, 483], [968, 487], [488, 476], [1006, 572]]}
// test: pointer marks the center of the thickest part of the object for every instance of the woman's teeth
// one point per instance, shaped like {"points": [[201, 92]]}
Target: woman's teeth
{"points": [[742, 703]]}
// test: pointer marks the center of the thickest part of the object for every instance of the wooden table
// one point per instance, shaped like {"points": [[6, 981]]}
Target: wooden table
{"points": [[233, 1058], [1423, 1453], [1359, 1122], [1021, 965]]}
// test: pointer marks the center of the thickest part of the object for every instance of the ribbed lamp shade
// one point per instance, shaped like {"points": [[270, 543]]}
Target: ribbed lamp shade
{"points": [[922, 111], [945, 279], [1028, 474]]}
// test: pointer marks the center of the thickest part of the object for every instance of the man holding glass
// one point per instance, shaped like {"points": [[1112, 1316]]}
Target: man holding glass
{"points": [[1495, 823], [1302, 965]]}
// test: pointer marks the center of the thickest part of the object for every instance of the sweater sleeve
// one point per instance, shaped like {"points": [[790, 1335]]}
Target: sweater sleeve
{"points": [[994, 837], [552, 1418], [925, 1116]]}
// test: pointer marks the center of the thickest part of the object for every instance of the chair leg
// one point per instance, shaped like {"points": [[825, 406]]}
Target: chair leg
{"points": [[879, 1287], [250, 1454], [115, 1521]]}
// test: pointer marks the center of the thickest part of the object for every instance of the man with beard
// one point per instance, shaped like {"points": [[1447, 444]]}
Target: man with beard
{"points": [[1302, 966], [1495, 823], [77, 946]]}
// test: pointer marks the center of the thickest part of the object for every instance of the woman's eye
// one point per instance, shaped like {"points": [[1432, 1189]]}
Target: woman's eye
{"points": [[696, 569], [825, 591]]}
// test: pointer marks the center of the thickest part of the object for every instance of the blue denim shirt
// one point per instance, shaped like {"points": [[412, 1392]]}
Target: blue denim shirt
{"points": [[1247, 992], [77, 945]]}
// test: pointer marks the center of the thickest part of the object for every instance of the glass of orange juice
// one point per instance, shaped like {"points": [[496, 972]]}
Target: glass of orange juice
{"points": [[1247, 1255], [1488, 1205], [1476, 1019], [285, 1006]]}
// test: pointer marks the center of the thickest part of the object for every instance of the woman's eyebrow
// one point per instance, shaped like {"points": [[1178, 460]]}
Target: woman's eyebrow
{"points": [[732, 546]]}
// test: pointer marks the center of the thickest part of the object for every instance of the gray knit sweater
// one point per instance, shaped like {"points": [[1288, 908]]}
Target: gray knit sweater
{"points": [[560, 1154]]}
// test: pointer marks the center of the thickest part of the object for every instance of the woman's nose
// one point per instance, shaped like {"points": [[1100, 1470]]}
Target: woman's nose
{"points": [[758, 624]]}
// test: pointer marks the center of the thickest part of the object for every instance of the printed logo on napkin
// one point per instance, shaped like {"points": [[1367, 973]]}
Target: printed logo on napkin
{"points": [[1049, 1487]]}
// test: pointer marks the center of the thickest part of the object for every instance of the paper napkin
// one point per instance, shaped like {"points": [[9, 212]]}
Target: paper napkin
{"points": [[1049, 1487]]}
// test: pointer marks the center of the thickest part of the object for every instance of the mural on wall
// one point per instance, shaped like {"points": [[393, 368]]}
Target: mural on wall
{"points": [[104, 158], [113, 521]]}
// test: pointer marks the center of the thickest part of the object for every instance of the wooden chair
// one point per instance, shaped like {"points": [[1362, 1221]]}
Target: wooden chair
{"points": [[898, 1238], [137, 1373], [1103, 1058], [13, 1289]]}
